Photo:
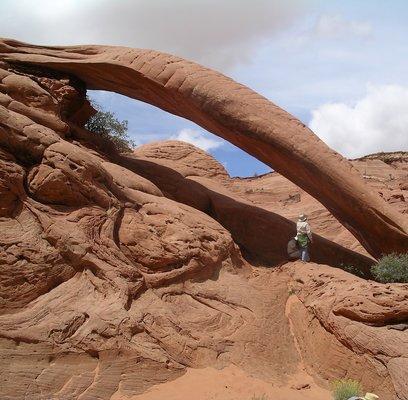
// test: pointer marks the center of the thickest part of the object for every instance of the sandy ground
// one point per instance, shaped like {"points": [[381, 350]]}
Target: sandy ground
{"points": [[230, 383]]}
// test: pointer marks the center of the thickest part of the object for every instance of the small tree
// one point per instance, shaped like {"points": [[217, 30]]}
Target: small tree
{"points": [[391, 268], [106, 124]]}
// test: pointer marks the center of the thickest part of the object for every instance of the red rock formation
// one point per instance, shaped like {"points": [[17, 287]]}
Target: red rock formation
{"points": [[188, 159], [82, 238], [340, 321], [108, 285], [237, 114], [275, 193], [261, 234]]}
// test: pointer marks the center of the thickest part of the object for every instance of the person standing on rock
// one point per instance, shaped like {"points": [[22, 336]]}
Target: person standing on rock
{"points": [[303, 237]]}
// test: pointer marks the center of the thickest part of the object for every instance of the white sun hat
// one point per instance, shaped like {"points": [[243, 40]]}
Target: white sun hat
{"points": [[370, 396], [302, 217]]}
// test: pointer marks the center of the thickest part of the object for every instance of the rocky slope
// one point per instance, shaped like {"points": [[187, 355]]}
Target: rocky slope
{"points": [[120, 272]]}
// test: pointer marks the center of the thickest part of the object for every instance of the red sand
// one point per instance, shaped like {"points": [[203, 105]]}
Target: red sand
{"points": [[230, 383]]}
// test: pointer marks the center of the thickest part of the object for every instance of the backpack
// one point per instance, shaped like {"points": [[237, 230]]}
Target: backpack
{"points": [[293, 249]]}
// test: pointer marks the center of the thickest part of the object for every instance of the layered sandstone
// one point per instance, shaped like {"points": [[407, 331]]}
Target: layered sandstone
{"points": [[240, 116], [121, 272], [262, 234], [275, 193]]}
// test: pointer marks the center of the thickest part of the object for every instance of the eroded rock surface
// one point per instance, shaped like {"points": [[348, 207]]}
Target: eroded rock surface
{"points": [[117, 272], [109, 286], [264, 239], [339, 319], [189, 160], [237, 114], [277, 194]]}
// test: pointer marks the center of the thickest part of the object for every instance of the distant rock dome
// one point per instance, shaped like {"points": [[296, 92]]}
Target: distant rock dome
{"points": [[186, 158]]}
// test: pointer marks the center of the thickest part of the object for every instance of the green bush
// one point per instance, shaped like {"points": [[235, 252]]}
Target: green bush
{"points": [[343, 389], [391, 268], [106, 125]]}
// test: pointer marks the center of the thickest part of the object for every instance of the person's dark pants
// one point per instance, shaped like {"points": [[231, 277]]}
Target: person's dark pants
{"points": [[304, 253]]}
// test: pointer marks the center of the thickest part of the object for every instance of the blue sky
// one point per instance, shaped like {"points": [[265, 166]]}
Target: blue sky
{"points": [[339, 66]]}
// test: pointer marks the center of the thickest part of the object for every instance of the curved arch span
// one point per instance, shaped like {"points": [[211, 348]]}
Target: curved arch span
{"points": [[237, 114]]}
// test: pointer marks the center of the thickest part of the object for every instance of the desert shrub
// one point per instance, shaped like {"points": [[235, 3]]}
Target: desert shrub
{"points": [[343, 389], [391, 268], [261, 397], [106, 125]]}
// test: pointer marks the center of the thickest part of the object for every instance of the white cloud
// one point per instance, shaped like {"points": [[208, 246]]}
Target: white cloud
{"points": [[215, 33], [200, 139], [377, 122], [336, 26]]}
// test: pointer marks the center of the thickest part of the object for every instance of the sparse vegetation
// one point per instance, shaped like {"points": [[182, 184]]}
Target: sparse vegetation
{"points": [[261, 397], [391, 268], [343, 389], [115, 132], [353, 270]]}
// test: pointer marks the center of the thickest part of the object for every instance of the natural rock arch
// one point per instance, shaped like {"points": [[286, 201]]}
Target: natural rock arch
{"points": [[237, 114]]}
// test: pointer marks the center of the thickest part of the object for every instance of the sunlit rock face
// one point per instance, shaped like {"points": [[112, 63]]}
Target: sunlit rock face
{"points": [[117, 272]]}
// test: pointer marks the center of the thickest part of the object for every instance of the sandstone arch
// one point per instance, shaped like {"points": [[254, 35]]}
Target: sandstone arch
{"points": [[237, 114]]}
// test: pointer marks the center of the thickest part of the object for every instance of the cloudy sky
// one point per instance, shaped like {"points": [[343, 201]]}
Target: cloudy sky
{"points": [[340, 65]]}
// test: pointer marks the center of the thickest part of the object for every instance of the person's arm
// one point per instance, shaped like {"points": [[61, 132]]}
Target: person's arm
{"points": [[309, 233]]}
